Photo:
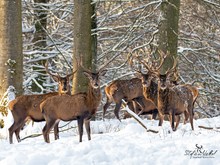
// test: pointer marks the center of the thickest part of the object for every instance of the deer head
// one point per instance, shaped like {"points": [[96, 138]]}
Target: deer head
{"points": [[94, 77], [63, 81], [165, 80], [152, 69]]}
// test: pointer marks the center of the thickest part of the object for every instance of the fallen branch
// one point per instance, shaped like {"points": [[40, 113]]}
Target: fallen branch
{"points": [[31, 136], [204, 127], [39, 134], [210, 128], [138, 119]]}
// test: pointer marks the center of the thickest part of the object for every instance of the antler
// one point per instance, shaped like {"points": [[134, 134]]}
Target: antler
{"points": [[171, 70], [102, 68], [161, 58], [131, 63], [152, 67], [145, 63], [57, 74], [73, 72], [47, 70], [137, 56], [81, 65]]}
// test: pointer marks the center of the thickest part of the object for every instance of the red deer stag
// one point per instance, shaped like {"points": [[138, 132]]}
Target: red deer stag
{"points": [[133, 91], [173, 100], [27, 107], [80, 106], [149, 86]]}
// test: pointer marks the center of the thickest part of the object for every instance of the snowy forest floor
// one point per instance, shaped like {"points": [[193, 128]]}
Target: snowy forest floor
{"points": [[114, 142]]}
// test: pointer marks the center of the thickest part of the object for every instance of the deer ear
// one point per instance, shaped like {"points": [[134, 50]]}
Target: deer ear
{"points": [[138, 74], [102, 73], [70, 76], [87, 75]]}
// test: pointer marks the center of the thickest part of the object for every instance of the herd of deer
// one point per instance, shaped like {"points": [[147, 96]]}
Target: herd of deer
{"points": [[153, 93]]}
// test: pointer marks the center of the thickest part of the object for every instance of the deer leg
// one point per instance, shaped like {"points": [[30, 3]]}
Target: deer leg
{"points": [[117, 108], [186, 116], [15, 128], [177, 121], [191, 120], [169, 117], [56, 131], [131, 105], [172, 116], [80, 128], [46, 130], [154, 114], [45, 133], [87, 125], [105, 107], [11, 131], [17, 133], [161, 118], [139, 102]]}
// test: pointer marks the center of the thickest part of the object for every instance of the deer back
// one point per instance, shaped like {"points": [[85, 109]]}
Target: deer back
{"points": [[124, 89], [194, 90], [180, 98]]}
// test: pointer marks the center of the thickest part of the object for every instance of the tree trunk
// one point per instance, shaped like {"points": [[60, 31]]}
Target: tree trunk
{"points": [[39, 40], [84, 42], [168, 31], [11, 58]]}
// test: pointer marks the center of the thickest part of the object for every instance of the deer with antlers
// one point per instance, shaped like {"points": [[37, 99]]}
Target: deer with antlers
{"points": [[173, 100], [149, 86], [27, 107], [139, 93], [132, 92], [80, 106]]}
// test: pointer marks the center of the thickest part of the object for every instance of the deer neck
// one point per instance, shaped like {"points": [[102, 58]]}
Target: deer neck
{"points": [[93, 96], [163, 95], [151, 90], [60, 93]]}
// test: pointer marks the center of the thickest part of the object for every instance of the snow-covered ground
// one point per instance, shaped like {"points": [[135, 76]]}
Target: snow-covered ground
{"points": [[117, 143]]}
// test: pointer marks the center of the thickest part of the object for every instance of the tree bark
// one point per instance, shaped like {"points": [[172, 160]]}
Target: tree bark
{"points": [[40, 40], [11, 57], [84, 42], [168, 31]]}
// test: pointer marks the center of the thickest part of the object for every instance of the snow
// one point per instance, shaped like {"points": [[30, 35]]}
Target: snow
{"points": [[114, 142]]}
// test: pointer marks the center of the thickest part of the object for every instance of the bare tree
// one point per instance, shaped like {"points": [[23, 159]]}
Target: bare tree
{"points": [[168, 31], [84, 41], [40, 39], [11, 58]]}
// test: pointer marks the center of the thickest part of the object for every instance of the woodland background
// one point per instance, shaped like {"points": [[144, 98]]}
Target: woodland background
{"points": [[45, 30]]}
